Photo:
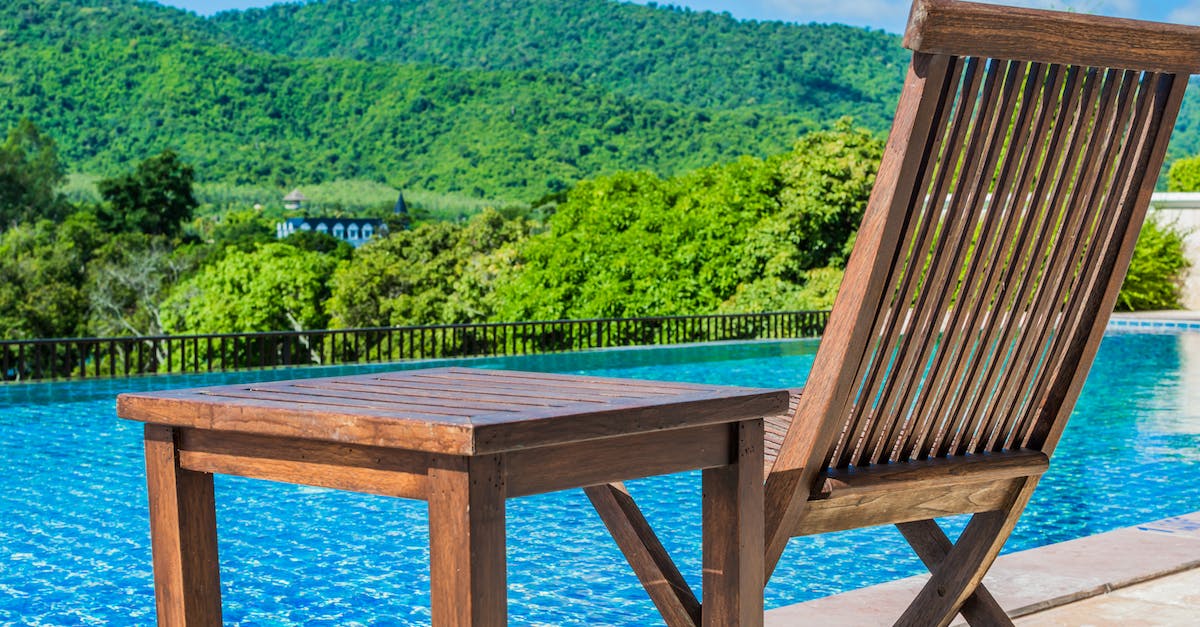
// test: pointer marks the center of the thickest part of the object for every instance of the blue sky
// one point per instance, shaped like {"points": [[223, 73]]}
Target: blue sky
{"points": [[889, 15]]}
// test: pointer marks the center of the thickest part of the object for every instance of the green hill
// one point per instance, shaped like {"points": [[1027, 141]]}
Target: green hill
{"points": [[483, 98], [113, 82], [674, 55]]}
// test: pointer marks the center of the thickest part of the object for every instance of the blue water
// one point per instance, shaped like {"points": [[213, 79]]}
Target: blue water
{"points": [[74, 539]]}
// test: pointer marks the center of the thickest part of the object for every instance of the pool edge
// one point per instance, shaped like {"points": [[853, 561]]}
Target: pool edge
{"points": [[1031, 581]]}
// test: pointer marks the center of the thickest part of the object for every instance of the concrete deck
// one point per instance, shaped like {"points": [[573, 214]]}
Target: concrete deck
{"points": [[1143, 575]]}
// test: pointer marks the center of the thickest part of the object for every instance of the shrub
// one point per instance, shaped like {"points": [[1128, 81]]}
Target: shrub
{"points": [[1156, 272]]}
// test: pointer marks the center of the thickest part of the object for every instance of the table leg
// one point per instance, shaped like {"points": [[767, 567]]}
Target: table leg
{"points": [[733, 534], [183, 532], [468, 580]]}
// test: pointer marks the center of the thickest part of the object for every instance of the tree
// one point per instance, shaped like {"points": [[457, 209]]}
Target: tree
{"points": [[319, 242], [272, 288], [30, 174], [1184, 175], [1155, 273], [437, 272], [128, 280], [155, 199], [751, 233], [42, 276]]}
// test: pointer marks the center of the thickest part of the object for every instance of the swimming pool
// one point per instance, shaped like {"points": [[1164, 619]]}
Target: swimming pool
{"points": [[74, 538]]}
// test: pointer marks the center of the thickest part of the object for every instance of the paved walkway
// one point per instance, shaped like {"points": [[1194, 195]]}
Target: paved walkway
{"points": [[1143, 575]]}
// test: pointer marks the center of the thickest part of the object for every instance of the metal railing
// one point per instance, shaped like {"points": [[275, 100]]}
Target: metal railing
{"points": [[80, 358]]}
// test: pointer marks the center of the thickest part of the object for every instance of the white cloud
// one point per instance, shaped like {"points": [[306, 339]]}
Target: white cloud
{"points": [[1189, 13]]}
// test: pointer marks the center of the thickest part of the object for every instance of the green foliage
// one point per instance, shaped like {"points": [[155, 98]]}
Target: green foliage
{"points": [[318, 242], [662, 53], [1184, 175], [30, 174], [1156, 270], [726, 238], [128, 279], [275, 287], [436, 272], [156, 79], [42, 275], [155, 199]]}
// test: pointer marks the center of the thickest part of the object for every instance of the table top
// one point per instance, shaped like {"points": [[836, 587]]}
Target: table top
{"points": [[462, 411]]}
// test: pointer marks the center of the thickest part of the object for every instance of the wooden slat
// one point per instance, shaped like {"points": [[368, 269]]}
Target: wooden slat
{"points": [[932, 473], [1108, 104], [1079, 240], [888, 508], [953, 281], [1006, 32], [373, 470], [616, 459], [1151, 129], [433, 397], [932, 546], [828, 390], [646, 555], [707, 409], [907, 276], [1056, 176]]}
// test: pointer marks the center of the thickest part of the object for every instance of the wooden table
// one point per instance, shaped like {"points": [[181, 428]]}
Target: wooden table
{"points": [[463, 440]]}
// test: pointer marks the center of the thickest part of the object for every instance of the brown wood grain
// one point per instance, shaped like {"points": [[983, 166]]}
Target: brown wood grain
{"points": [[932, 546], [183, 526], [853, 511], [650, 561], [1006, 32], [467, 568], [932, 473], [409, 410], [616, 459], [733, 534]]}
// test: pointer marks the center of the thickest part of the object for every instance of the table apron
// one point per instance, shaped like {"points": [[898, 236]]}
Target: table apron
{"points": [[404, 473]]}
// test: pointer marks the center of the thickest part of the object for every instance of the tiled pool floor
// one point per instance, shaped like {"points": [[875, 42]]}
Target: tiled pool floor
{"points": [[1143, 575]]}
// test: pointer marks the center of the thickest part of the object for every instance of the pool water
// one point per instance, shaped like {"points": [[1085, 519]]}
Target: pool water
{"points": [[74, 538]]}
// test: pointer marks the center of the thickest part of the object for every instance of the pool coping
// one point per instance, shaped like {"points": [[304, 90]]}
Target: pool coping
{"points": [[1030, 581]]}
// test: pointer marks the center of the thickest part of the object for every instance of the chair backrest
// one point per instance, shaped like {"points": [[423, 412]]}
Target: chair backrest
{"points": [[1018, 171]]}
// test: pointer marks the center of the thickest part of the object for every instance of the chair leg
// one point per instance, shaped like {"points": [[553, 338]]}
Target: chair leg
{"points": [[957, 577], [932, 546], [649, 559]]}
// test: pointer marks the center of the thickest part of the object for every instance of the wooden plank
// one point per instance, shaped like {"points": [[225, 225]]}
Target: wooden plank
{"points": [[183, 536], [1138, 187], [932, 546], [373, 470], [436, 434], [548, 429], [467, 569], [417, 392], [829, 387], [906, 270], [384, 396], [657, 387], [963, 569], [615, 459], [931, 473], [646, 555], [1006, 32], [733, 534], [887, 508]]}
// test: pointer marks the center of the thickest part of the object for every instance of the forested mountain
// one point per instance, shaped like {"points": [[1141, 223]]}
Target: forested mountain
{"points": [[113, 82], [503, 99], [661, 53]]}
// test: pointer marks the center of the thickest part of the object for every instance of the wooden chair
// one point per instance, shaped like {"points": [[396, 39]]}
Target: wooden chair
{"points": [[1016, 177]]}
